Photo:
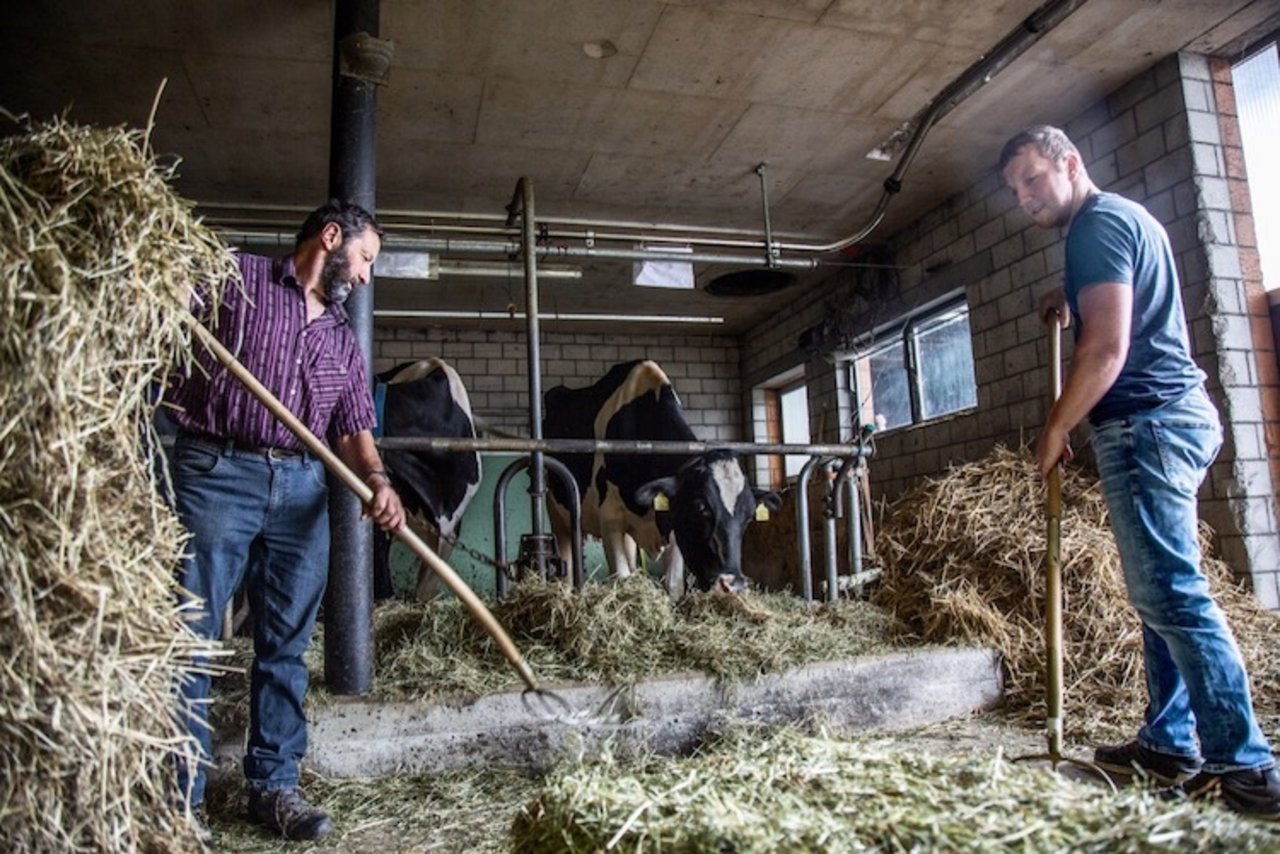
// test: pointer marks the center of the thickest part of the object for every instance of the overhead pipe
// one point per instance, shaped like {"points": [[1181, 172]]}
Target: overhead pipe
{"points": [[291, 212], [1032, 29], [611, 446], [508, 248]]}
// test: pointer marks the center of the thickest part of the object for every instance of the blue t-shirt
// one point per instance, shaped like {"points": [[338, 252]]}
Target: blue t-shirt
{"points": [[1115, 240]]}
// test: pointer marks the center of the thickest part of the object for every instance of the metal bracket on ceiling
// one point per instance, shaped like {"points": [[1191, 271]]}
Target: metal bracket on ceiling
{"points": [[770, 249], [366, 57]]}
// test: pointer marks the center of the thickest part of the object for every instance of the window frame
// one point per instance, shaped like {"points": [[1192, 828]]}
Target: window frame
{"points": [[905, 331], [780, 391], [773, 467]]}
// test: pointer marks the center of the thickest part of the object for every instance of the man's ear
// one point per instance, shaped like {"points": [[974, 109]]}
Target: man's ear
{"points": [[1072, 163], [331, 236]]}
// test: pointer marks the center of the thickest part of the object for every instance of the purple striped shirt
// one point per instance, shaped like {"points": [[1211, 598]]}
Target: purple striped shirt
{"points": [[316, 369]]}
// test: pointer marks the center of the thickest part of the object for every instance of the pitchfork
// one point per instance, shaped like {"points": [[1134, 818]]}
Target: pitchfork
{"points": [[1053, 588]]}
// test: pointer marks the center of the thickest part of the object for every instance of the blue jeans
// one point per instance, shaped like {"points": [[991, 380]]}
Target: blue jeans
{"points": [[264, 522], [1151, 465]]}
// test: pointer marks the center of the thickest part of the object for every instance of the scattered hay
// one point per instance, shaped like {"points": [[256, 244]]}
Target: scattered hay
{"points": [[614, 633], [787, 791], [465, 810], [963, 560], [97, 258], [617, 633]]}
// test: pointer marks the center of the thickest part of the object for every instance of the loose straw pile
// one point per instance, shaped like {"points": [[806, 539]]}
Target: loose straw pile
{"points": [[788, 791], [964, 560], [97, 258], [614, 633]]}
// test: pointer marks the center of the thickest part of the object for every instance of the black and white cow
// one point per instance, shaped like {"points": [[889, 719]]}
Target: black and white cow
{"points": [[710, 502], [426, 398]]}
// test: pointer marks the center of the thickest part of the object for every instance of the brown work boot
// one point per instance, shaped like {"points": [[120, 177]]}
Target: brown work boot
{"points": [[1133, 759], [287, 813]]}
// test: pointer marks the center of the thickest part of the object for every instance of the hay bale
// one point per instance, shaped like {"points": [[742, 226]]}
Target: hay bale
{"points": [[97, 261], [964, 561], [757, 791]]}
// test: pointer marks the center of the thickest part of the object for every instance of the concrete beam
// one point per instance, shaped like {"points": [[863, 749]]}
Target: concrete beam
{"points": [[353, 737]]}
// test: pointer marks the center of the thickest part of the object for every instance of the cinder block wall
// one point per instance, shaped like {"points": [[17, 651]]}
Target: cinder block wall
{"points": [[1158, 140], [703, 369]]}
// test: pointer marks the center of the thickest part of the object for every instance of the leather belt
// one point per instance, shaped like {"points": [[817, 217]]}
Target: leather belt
{"points": [[223, 445]]}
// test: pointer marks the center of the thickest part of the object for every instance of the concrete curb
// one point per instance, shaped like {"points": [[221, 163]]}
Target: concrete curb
{"points": [[364, 738]]}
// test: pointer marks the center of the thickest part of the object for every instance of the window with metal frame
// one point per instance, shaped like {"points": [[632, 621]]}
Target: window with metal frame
{"points": [[793, 405], [916, 370]]}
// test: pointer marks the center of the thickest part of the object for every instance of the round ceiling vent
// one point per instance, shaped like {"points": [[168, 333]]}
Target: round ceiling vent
{"points": [[749, 283]]}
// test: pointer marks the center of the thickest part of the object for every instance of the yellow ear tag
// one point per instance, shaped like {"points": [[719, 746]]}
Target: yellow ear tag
{"points": [[762, 513], [660, 502]]}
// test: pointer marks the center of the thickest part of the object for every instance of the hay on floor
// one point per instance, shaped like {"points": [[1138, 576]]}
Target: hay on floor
{"points": [[963, 559], [97, 259], [611, 633], [754, 790]]}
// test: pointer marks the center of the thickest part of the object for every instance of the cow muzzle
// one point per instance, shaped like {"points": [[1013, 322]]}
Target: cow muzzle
{"points": [[728, 584]]}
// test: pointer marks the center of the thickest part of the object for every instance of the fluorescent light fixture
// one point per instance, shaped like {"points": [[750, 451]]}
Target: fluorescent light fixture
{"points": [[415, 264], [663, 273], [406, 264], [501, 270], [442, 314]]}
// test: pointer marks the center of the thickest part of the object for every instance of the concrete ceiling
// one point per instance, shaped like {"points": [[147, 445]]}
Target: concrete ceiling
{"points": [[667, 126]]}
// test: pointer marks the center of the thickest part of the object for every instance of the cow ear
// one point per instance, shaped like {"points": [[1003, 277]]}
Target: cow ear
{"points": [[646, 493], [769, 499]]}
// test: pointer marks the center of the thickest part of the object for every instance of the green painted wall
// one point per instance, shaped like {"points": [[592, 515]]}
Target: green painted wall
{"points": [[477, 533]]}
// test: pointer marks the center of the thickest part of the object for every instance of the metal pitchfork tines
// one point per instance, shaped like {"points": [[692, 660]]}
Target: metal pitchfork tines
{"points": [[618, 706], [551, 705], [1053, 591]]}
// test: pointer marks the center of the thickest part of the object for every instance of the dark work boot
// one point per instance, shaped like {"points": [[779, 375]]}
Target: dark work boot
{"points": [[287, 813], [1254, 792], [1132, 759]]}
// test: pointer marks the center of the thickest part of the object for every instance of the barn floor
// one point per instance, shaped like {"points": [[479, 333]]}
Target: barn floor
{"points": [[471, 810], [458, 772]]}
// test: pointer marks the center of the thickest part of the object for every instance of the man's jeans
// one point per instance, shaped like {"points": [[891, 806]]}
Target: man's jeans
{"points": [[1151, 465], [264, 521]]}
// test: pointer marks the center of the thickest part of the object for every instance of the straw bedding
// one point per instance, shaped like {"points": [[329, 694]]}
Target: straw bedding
{"points": [[97, 257], [613, 633], [964, 560], [792, 791]]}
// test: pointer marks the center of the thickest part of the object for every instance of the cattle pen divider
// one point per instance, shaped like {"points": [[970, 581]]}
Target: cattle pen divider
{"points": [[852, 456]]}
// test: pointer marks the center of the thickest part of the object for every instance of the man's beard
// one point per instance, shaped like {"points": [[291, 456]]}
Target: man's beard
{"points": [[336, 277]]}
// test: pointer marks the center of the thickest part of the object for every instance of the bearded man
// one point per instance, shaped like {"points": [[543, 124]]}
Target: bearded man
{"points": [[256, 502]]}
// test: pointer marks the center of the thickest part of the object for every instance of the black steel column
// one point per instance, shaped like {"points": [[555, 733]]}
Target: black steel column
{"points": [[348, 611]]}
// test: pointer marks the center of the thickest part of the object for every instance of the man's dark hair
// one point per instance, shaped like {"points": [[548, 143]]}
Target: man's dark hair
{"points": [[1050, 141], [352, 218]]}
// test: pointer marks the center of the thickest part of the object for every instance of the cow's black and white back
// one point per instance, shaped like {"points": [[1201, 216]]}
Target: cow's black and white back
{"points": [[428, 399]]}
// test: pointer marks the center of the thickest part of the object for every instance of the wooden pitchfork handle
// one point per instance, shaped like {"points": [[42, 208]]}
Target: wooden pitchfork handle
{"points": [[1053, 563], [365, 494], [1053, 589]]}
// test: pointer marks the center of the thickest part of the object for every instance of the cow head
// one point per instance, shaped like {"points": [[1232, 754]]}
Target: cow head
{"points": [[711, 505]]}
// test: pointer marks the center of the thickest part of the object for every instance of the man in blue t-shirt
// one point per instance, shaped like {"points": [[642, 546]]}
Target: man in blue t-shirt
{"points": [[1155, 432]]}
